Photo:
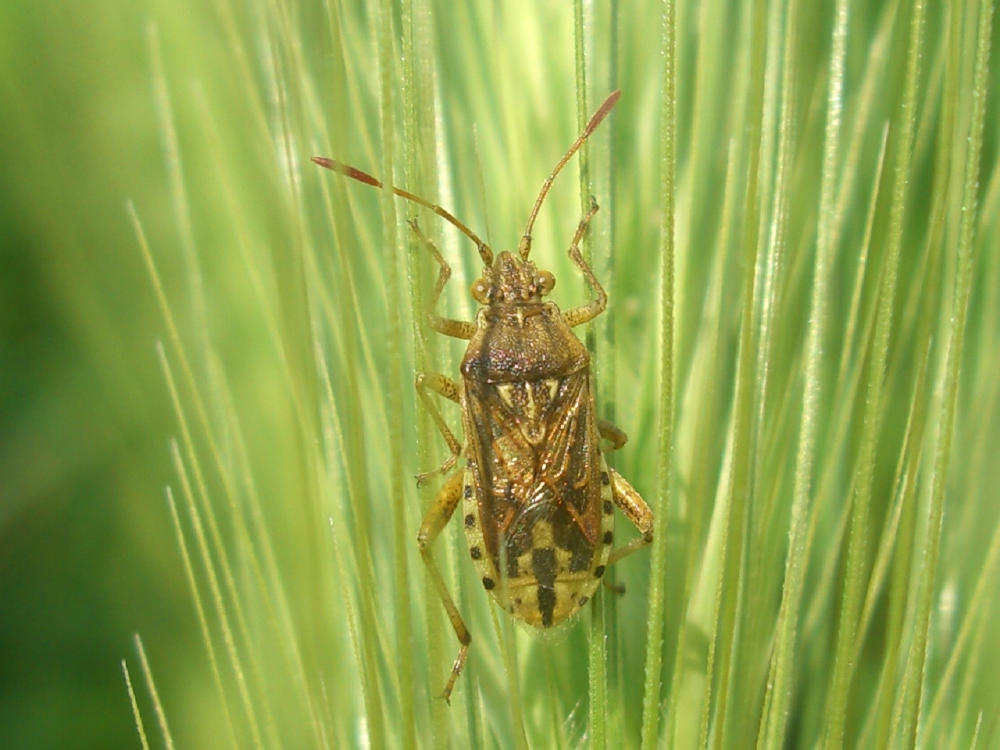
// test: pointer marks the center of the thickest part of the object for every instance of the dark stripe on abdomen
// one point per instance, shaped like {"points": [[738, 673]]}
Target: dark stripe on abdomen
{"points": [[543, 565]]}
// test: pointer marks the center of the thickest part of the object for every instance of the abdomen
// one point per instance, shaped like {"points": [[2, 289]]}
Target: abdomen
{"points": [[546, 566]]}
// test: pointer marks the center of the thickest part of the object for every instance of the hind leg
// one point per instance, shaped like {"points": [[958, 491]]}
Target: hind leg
{"points": [[635, 509], [436, 519]]}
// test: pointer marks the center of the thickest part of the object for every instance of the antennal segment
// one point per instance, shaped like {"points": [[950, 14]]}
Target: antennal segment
{"points": [[356, 174], [525, 246]]}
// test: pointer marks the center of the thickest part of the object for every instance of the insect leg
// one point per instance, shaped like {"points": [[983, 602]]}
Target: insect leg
{"points": [[612, 433], [596, 306], [443, 386], [437, 517], [460, 329], [635, 508]]}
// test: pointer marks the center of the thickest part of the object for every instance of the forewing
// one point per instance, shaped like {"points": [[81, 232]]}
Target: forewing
{"points": [[534, 453]]}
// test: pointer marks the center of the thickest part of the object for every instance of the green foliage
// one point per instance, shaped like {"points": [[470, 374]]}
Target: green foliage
{"points": [[806, 365]]}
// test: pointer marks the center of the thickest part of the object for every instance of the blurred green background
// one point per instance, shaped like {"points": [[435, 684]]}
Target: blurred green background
{"points": [[84, 557], [295, 316]]}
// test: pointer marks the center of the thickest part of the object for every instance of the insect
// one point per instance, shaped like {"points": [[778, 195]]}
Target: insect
{"points": [[536, 494]]}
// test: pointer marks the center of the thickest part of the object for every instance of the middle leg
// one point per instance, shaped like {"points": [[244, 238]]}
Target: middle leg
{"points": [[612, 433], [443, 386]]}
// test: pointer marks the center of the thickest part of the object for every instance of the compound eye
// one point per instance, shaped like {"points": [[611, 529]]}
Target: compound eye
{"points": [[545, 282], [481, 291]]}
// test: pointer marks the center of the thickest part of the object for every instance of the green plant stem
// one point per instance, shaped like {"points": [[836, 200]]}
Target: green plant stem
{"points": [[665, 393]]}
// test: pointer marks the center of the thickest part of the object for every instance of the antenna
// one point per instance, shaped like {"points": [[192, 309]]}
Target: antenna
{"points": [[354, 173], [525, 247]]}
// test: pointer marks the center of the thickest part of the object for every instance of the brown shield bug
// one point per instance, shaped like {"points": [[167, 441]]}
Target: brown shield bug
{"points": [[537, 495]]}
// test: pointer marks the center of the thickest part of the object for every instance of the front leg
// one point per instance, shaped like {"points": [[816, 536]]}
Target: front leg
{"points": [[459, 329], [596, 306]]}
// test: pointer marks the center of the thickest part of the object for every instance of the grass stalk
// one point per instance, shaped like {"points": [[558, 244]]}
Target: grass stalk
{"points": [[665, 393], [856, 562], [134, 704], [788, 615], [915, 677], [161, 714]]}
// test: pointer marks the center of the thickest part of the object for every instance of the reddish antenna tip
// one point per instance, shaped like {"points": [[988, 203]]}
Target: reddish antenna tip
{"points": [[602, 112], [347, 169]]}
